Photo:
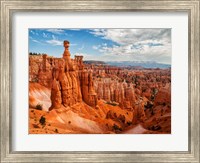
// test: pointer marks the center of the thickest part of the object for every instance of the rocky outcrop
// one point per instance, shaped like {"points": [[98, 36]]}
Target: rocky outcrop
{"points": [[87, 88], [134, 89], [112, 90], [34, 66], [138, 114], [39, 97], [55, 95], [163, 97], [76, 84], [45, 73], [69, 82]]}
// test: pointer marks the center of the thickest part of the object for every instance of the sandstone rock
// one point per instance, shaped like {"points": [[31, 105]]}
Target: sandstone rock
{"points": [[45, 73], [34, 65], [39, 97], [87, 88], [163, 97], [138, 114], [112, 90], [147, 93], [56, 98], [75, 83], [69, 82]]}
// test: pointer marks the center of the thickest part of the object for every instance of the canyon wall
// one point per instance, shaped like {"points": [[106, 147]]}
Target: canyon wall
{"points": [[134, 90], [69, 82], [128, 87]]}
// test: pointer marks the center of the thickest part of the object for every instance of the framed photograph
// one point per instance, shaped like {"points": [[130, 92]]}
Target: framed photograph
{"points": [[99, 81]]}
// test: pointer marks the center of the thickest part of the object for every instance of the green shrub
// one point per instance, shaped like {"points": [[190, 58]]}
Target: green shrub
{"points": [[42, 120], [116, 128], [38, 106], [129, 123]]}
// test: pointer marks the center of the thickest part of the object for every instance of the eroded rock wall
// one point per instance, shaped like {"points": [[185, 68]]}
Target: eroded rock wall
{"points": [[69, 82]]}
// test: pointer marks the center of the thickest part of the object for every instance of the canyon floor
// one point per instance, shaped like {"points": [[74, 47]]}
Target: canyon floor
{"points": [[94, 121]]}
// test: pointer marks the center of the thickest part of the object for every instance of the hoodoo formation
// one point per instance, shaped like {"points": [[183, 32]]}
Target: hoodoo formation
{"points": [[68, 96]]}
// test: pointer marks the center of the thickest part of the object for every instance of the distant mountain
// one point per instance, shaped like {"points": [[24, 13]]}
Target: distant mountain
{"points": [[143, 64], [132, 64], [94, 62]]}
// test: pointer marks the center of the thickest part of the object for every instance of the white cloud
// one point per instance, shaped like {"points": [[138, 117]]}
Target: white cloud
{"points": [[56, 31], [82, 47], [36, 41], [127, 36], [32, 32], [135, 44], [96, 47], [55, 42], [44, 35], [54, 38], [75, 29]]}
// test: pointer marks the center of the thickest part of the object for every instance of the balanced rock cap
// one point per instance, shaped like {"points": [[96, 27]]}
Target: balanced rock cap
{"points": [[66, 43]]}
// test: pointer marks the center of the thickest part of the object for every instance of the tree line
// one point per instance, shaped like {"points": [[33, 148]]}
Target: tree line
{"points": [[33, 53]]}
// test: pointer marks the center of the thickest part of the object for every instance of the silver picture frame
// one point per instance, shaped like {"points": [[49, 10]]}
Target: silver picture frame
{"points": [[9, 7]]}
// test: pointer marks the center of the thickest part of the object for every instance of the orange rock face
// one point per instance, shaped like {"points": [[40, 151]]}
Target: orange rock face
{"points": [[55, 95], [136, 90], [163, 97], [112, 90], [67, 79], [34, 65], [39, 96], [45, 73], [87, 88]]}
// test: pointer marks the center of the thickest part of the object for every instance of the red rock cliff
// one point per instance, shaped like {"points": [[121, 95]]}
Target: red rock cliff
{"points": [[69, 82]]}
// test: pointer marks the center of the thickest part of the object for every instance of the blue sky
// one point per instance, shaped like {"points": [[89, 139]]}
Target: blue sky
{"points": [[105, 44]]}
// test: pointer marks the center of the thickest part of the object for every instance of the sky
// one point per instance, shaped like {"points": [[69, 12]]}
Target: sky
{"points": [[152, 45]]}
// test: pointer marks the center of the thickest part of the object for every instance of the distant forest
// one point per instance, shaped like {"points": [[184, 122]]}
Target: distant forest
{"points": [[33, 53]]}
